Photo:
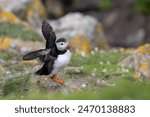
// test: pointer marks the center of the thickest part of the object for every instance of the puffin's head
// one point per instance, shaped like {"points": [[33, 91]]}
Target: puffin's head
{"points": [[61, 44]]}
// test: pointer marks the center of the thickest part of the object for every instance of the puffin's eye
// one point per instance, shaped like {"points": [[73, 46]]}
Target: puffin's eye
{"points": [[62, 44]]}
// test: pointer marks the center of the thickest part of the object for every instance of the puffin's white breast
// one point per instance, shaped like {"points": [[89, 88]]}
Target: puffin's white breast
{"points": [[61, 61]]}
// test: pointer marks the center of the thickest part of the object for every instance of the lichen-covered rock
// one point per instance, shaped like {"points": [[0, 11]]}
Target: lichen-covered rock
{"points": [[28, 10], [6, 16], [139, 60], [4, 43], [77, 41], [81, 27], [21, 46], [35, 12], [27, 46]]}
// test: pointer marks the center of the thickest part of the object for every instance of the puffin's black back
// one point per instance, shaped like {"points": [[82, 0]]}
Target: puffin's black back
{"points": [[50, 38]]}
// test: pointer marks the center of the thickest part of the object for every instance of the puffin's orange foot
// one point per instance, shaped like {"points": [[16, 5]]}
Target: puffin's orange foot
{"points": [[57, 80]]}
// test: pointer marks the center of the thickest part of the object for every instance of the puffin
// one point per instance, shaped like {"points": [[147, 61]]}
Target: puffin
{"points": [[54, 57]]}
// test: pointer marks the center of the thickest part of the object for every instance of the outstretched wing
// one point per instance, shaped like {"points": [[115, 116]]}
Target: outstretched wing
{"points": [[36, 54], [48, 34]]}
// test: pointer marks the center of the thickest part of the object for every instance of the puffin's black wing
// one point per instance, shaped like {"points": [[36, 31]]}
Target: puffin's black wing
{"points": [[48, 34], [36, 54]]}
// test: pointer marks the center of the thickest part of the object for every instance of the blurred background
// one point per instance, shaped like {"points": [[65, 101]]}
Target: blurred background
{"points": [[123, 23], [109, 39]]}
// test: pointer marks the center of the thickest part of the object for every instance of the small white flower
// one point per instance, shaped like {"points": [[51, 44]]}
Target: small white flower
{"points": [[108, 62], [101, 63], [93, 74], [96, 49], [8, 72], [92, 52], [83, 54], [77, 70], [104, 70], [81, 67], [125, 70], [83, 85]]}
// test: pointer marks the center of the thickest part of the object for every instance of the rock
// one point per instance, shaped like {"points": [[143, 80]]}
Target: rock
{"points": [[1, 62], [14, 5], [5, 43], [85, 5], [122, 24], [21, 46], [77, 41], [30, 10], [1, 68], [135, 39], [10, 17], [35, 12], [84, 32], [54, 8], [139, 60], [27, 46]]}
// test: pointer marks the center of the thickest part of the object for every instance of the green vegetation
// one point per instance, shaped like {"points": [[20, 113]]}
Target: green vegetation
{"points": [[105, 4], [17, 85], [5, 56], [118, 82], [123, 89], [18, 31], [95, 75], [142, 6], [97, 63]]}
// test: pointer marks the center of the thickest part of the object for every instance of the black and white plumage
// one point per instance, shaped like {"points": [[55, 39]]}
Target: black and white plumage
{"points": [[56, 55]]}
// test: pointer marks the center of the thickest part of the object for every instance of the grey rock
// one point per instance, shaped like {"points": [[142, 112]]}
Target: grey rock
{"points": [[136, 38], [24, 50], [139, 60], [14, 5], [31, 11], [123, 27], [2, 61], [77, 24], [74, 24]]}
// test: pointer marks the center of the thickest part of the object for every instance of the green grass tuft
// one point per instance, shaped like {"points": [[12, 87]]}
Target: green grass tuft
{"points": [[17, 86], [18, 31], [5, 56]]}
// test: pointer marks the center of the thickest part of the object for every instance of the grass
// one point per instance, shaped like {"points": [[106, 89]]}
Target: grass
{"points": [[106, 4], [124, 89], [99, 63], [5, 56], [17, 85], [105, 67], [18, 31]]}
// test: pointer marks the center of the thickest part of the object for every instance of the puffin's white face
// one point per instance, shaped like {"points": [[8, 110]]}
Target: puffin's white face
{"points": [[61, 44]]}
